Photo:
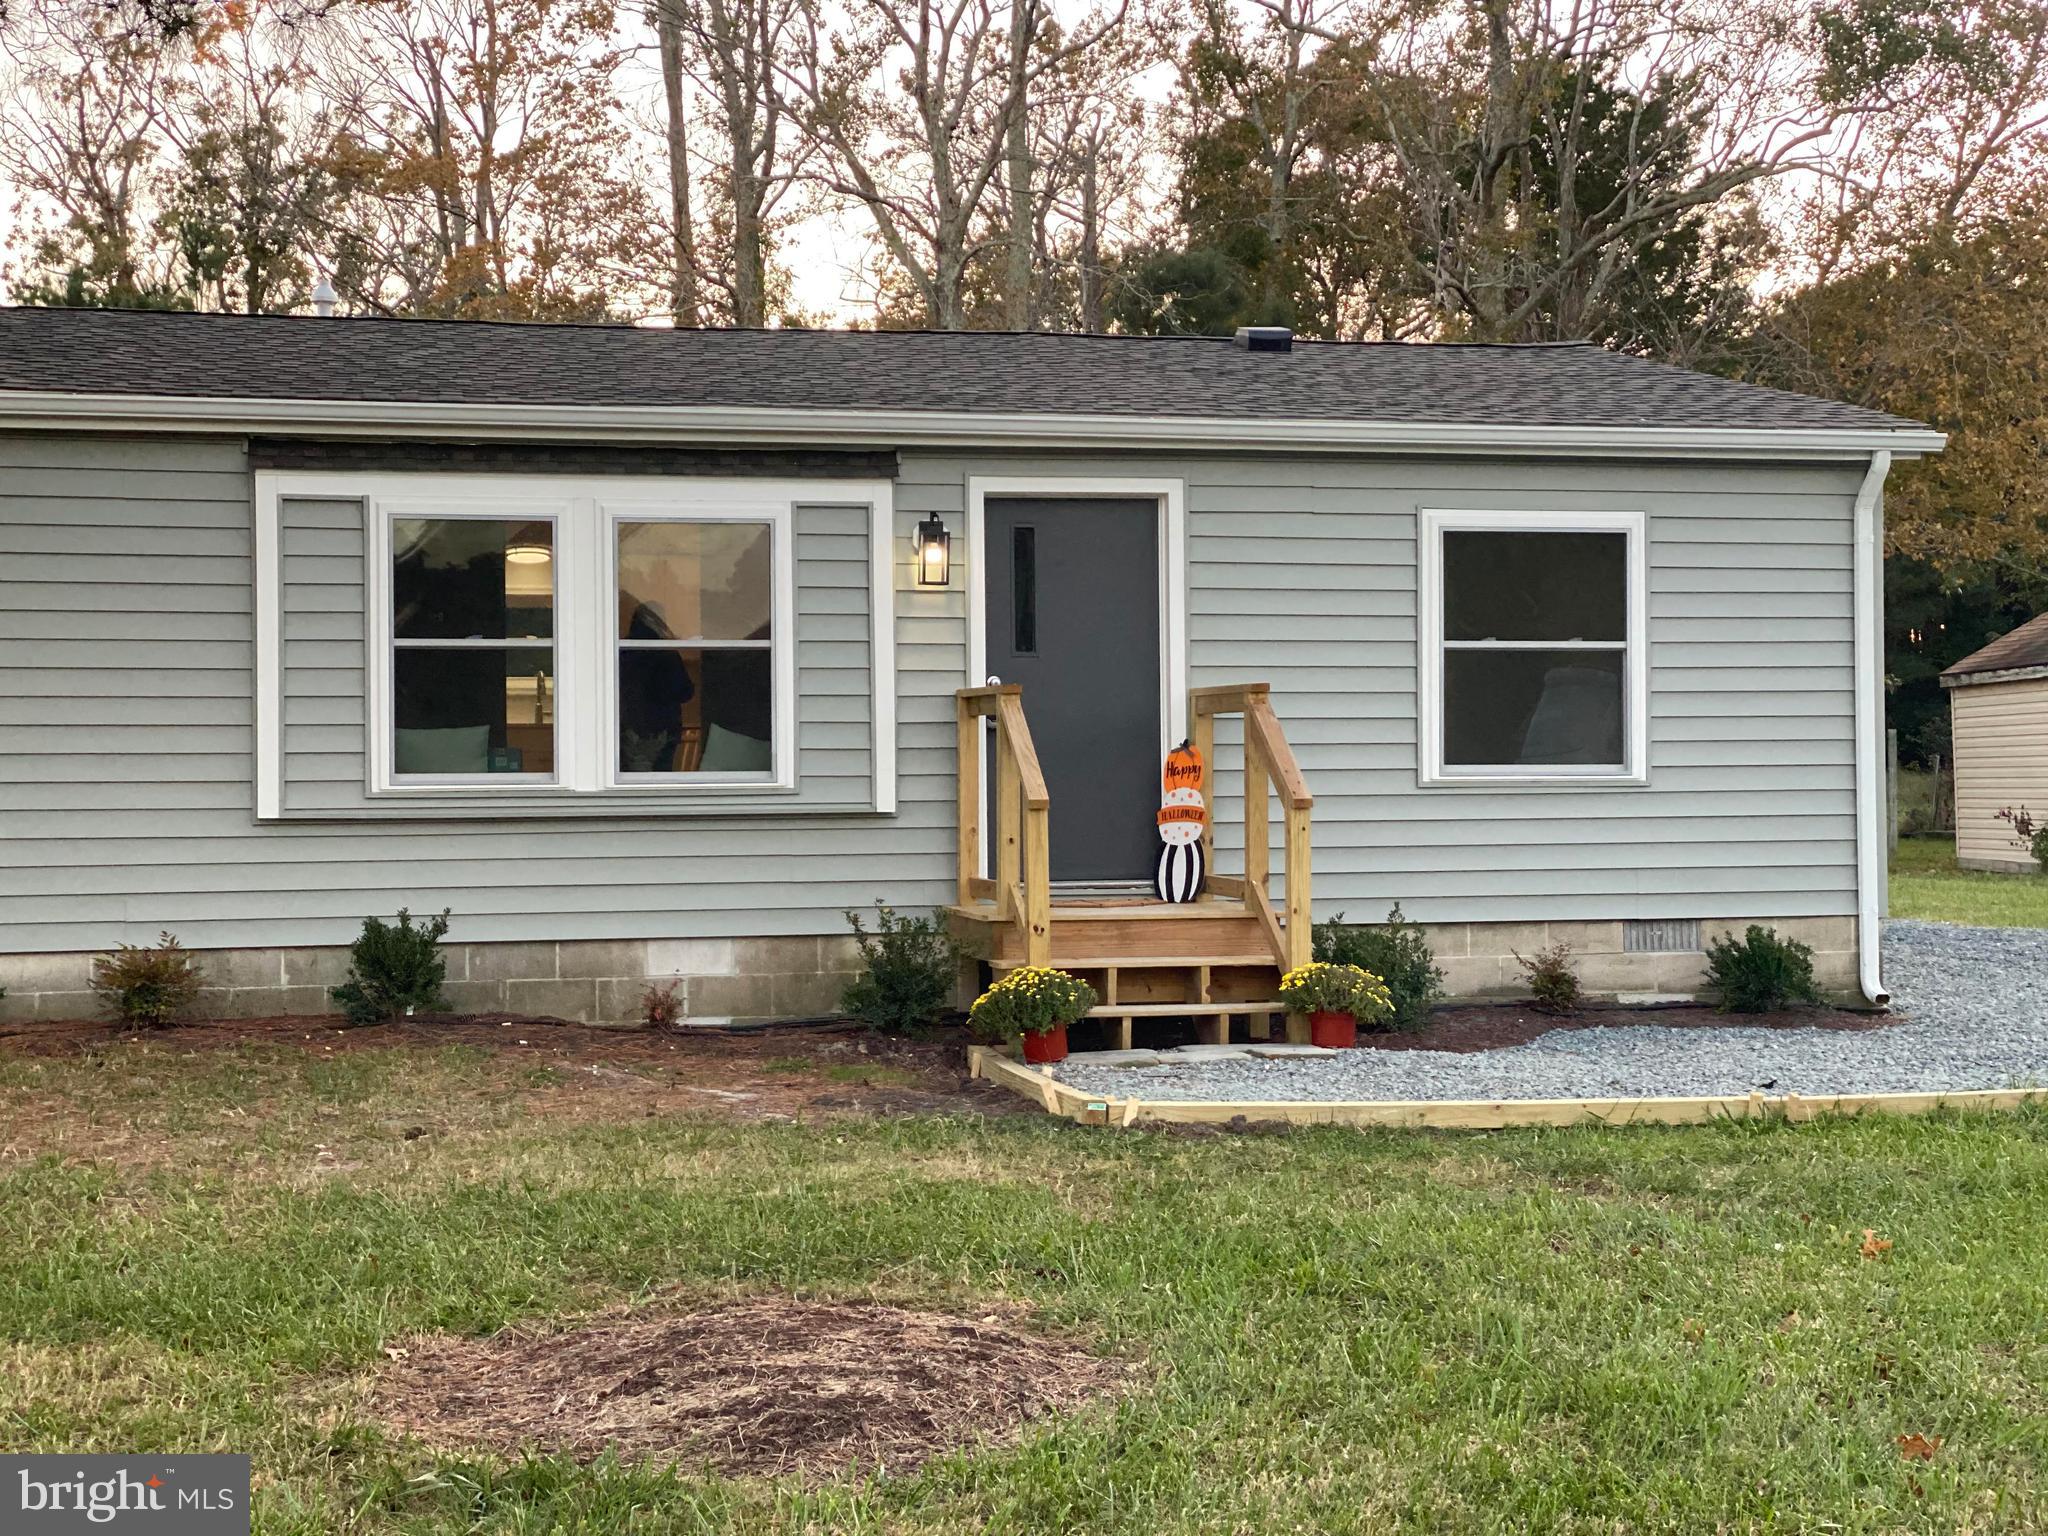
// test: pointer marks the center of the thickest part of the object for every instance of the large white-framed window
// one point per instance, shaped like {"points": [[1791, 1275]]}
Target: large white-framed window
{"points": [[523, 642], [1534, 655]]}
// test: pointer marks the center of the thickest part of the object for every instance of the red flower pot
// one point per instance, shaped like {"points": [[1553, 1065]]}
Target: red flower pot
{"points": [[1332, 1031], [1045, 1046]]}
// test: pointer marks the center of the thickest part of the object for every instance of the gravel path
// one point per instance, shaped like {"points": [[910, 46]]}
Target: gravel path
{"points": [[1972, 1006]]}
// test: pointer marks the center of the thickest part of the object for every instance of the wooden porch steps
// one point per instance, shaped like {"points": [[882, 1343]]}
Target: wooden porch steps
{"points": [[1152, 933], [1164, 962], [1208, 961]]}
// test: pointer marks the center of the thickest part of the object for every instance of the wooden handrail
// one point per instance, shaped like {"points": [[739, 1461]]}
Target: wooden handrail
{"points": [[1010, 719], [1268, 765], [1259, 716], [1021, 882]]}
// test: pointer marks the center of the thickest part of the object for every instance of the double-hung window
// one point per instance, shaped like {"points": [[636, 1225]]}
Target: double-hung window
{"points": [[1534, 665], [694, 616], [569, 644], [473, 674]]}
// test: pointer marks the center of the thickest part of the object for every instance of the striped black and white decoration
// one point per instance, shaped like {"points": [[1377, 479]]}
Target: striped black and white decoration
{"points": [[1180, 872]]}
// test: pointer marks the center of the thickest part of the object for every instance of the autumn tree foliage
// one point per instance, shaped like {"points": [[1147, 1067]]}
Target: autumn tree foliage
{"points": [[1841, 196]]}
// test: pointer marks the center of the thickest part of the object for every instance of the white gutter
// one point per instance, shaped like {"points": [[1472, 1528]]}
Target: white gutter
{"points": [[1872, 874], [58, 411]]}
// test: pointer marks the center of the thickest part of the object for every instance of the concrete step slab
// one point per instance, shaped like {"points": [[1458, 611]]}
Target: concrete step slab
{"points": [[1114, 1058]]}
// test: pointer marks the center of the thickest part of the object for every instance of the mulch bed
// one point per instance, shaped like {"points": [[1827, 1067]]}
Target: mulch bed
{"points": [[490, 1031], [1492, 1026], [743, 1074], [758, 1387]]}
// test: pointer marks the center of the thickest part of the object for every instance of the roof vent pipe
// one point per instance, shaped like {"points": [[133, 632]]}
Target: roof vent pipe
{"points": [[1265, 338], [324, 298]]}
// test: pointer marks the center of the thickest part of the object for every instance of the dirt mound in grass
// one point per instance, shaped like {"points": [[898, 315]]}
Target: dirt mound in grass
{"points": [[754, 1387]]}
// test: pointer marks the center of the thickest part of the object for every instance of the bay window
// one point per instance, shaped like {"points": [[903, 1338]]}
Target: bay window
{"points": [[1534, 660]]}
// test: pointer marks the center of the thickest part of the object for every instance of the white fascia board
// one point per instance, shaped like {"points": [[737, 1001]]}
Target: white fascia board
{"points": [[56, 411]]}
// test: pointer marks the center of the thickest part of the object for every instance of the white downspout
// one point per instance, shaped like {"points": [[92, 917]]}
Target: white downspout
{"points": [[1871, 842]]}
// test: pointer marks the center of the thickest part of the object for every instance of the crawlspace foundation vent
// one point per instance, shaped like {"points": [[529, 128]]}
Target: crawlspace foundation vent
{"points": [[1664, 936]]}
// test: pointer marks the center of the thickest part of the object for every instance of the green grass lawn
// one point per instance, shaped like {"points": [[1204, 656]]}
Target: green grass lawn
{"points": [[1662, 1329], [1926, 884]]}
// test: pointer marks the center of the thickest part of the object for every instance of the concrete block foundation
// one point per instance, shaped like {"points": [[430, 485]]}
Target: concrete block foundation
{"points": [[597, 981], [722, 981]]}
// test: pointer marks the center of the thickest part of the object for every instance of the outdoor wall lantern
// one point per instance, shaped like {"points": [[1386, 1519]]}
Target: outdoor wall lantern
{"points": [[934, 549]]}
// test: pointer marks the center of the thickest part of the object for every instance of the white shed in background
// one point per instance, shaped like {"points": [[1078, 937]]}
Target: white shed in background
{"points": [[1998, 702]]}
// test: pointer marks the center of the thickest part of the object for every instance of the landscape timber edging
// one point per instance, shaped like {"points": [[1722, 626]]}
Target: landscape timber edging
{"points": [[1058, 1098]]}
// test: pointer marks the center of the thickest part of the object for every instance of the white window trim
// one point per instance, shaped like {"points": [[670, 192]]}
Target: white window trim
{"points": [[1434, 522], [583, 655]]}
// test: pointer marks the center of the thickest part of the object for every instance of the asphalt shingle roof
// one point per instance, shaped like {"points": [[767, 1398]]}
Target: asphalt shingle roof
{"points": [[454, 362], [2017, 649]]}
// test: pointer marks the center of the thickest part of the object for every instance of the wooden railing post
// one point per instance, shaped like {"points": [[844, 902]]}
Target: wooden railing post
{"points": [[1269, 766], [1258, 837], [1202, 737], [968, 734], [1038, 886], [1009, 792], [1300, 910], [1021, 887]]}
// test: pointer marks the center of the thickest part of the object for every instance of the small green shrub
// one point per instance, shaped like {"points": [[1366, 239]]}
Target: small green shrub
{"points": [[1029, 1001], [152, 986], [908, 969], [660, 1007], [1760, 972], [1397, 953], [2027, 833], [395, 969], [1552, 982]]}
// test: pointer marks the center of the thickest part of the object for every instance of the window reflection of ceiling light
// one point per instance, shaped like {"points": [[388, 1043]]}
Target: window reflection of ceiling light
{"points": [[531, 545]]}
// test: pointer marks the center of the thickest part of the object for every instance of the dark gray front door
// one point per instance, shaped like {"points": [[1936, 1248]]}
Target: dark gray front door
{"points": [[1073, 616]]}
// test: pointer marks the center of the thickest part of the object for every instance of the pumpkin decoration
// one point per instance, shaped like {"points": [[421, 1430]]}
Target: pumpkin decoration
{"points": [[1183, 817]]}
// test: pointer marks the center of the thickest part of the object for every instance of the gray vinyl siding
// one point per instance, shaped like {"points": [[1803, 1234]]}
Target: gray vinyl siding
{"points": [[324, 679], [127, 800], [126, 734], [1303, 574]]}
